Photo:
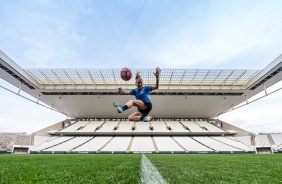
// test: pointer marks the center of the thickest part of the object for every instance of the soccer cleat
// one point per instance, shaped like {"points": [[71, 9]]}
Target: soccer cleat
{"points": [[118, 107], [147, 118]]}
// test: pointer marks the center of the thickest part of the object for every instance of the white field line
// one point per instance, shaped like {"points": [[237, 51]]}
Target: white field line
{"points": [[149, 174]]}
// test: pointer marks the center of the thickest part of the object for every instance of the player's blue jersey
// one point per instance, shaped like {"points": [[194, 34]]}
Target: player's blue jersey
{"points": [[142, 94]]}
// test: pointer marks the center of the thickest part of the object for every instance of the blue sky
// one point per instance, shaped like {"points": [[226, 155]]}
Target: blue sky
{"points": [[218, 34]]}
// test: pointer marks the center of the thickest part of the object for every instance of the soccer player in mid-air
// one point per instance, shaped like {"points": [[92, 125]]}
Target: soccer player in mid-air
{"points": [[142, 102]]}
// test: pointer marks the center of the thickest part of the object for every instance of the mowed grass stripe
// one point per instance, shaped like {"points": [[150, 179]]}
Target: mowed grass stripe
{"points": [[219, 168], [70, 168]]}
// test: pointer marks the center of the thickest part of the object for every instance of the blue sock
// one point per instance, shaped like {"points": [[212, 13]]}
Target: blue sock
{"points": [[125, 107]]}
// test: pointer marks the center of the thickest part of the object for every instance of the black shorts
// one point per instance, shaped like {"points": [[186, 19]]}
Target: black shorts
{"points": [[146, 111]]}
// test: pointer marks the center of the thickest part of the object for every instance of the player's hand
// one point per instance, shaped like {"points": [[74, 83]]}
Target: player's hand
{"points": [[119, 90], [138, 75], [158, 71]]}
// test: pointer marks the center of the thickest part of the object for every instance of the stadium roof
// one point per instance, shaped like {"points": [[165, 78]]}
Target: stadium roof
{"points": [[183, 93], [169, 77]]}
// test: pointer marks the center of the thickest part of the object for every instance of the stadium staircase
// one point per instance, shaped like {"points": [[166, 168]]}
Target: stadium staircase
{"points": [[55, 145], [203, 144], [130, 145], [270, 139], [155, 145], [240, 142], [84, 143], [99, 150], [226, 144], [186, 151]]}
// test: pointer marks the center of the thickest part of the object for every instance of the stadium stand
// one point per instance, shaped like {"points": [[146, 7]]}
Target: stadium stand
{"points": [[209, 127], [263, 143], [270, 139], [245, 140], [234, 143], [93, 145], [109, 126], [193, 127], [158, 136], [217, 145], [125, 126], [142, 144], [40, 139], [167, 144], [147, 137], [8, 140], [277, 139], [192, 146], [176, 126], [68, 145], [91, 127], [51, 143], [141, 127], [161, 136], [75, 127], [262, 140], [117, 145], [159, 126]]}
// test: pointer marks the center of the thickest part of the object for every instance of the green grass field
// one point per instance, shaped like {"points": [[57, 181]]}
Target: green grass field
{"points": [[102, 168]]}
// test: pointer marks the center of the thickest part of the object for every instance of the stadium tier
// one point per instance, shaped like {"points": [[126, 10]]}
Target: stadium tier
{"points": [[158, 136], [142, 144], [142, 128]]}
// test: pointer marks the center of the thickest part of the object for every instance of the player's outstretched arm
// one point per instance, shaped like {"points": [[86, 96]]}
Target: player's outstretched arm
{"points": [[121, 92], [157, 74]]}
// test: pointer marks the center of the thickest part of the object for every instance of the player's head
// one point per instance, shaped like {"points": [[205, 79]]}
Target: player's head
{"points": [[139, 82]]}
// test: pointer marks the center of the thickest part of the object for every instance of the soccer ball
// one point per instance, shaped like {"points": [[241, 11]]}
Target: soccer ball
{"points": [[125, 74]]}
